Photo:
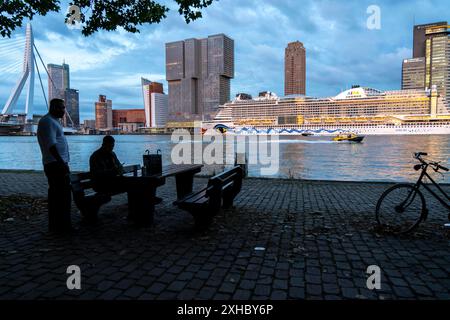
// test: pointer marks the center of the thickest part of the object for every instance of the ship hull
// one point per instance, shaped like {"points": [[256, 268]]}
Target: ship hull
{"points": [[403, 129]]}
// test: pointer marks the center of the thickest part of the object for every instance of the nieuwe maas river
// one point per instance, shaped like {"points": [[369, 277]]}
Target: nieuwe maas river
{"points": [[378, 158]]}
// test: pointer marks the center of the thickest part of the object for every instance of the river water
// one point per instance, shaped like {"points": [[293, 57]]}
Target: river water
{"points": [[378, 158]]}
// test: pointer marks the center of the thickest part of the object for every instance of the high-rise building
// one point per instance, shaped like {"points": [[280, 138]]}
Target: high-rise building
{"points": [[159, 110], [103, 113], [199, 73], [413, 73], [420, 37], [58, 81], [72, 101], [437, 59], [150, 88], [59, 87], [295, 69]]}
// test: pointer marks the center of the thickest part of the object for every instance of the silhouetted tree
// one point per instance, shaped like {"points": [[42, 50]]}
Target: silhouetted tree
{"points": [[98, 15]]}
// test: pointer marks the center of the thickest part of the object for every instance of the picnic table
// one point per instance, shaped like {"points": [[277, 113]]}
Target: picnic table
{"points": [[141, 190], [184, 176]]}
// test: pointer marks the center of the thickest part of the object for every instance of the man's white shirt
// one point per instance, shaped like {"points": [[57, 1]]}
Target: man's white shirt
{"points": [[50, 133]]}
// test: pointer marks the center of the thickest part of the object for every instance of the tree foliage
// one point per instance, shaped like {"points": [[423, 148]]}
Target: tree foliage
{"points": [[98, 15]]}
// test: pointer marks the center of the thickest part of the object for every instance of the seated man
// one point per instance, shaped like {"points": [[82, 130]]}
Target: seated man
{"points": [[105, 167], [107, 171]]}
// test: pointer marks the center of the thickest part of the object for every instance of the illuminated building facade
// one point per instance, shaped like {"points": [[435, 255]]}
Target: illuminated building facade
{"points": [[437, 59], [364, 110], [413, 73]]}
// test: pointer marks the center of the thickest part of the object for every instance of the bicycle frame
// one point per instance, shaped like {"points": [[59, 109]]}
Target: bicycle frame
{"points": [[436, 195]]}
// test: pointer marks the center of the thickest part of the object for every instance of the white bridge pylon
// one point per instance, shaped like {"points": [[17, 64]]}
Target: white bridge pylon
{"points": [[27, 75]]}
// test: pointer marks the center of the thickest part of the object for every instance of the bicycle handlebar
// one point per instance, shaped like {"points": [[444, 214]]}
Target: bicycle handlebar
{"points": [[417, 155], [436, 165]]}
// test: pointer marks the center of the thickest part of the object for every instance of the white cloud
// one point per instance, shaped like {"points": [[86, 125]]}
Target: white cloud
{"points": [[80, 53]]}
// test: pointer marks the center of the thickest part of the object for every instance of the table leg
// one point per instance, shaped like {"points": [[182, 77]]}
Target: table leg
{"points": [[185, 182], [141, 205]]}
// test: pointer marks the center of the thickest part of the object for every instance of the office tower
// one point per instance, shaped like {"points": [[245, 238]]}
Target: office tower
{"points": [[72, 100], [58, 81], [295, 69], [437, 59], [103, 113], [199, 73], [159, 110], [148, 89], [420, 37], [413, 73]]}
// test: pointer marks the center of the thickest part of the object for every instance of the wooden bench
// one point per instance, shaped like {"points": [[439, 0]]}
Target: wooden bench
{"points": [[86, 199], [219, 193]]}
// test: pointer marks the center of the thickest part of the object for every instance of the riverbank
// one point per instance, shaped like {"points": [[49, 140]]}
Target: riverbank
{"points": [[283, 239], [268, 179]]}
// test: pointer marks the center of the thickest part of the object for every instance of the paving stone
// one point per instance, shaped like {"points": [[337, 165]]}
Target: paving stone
{"points": [[296, 293], [134, 292], [241, 294], [263, 290]]}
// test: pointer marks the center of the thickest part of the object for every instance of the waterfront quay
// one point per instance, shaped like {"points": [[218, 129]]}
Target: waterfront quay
{"points": [[284, 239]]}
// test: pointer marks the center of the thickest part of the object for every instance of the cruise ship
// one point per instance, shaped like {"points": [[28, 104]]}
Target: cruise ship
{"points": [[360, 110]]}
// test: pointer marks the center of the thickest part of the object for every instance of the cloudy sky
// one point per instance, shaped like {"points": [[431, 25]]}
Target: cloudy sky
{"points": [[340, 49]]}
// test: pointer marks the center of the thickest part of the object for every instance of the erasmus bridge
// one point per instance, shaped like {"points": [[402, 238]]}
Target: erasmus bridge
{"points": [[12, 118]]}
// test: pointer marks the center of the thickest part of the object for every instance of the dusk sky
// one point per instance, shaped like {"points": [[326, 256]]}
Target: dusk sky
{"points": [[340, 49]]}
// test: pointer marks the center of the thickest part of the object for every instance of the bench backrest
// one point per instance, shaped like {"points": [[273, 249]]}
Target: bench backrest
{"points": [[233, 175], [83, 181], [227, 181]]}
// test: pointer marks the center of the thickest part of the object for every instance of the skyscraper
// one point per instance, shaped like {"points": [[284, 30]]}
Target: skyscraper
{"points": [[420, 37], [103, 113], [59, 87], [159, 110], [199, 73], [295, 69], [437, 59], [72, 101], [155, 104], [413, 73], [58, 81]]}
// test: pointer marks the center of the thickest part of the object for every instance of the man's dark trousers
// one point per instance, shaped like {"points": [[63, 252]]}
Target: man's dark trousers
{"points": [[59, 197]]}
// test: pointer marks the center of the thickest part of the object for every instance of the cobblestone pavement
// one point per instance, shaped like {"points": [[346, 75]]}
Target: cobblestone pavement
{"points": [[318, 239]]}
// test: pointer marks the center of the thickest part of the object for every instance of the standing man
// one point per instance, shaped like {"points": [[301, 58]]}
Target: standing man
{"points": [[55, 157]]}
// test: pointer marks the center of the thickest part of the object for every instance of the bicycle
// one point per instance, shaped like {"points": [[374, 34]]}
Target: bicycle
{"points": [[402, 207]]}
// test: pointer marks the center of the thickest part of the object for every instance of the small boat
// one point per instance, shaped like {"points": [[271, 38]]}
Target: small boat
{"points": [[307, 134], [352, 137]]}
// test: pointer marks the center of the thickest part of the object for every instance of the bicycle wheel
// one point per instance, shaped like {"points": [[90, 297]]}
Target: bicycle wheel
{"points": [[400, 208]]}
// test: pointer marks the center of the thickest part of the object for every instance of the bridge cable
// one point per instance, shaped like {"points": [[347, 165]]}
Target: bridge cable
{"points": [[40, 80]]}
